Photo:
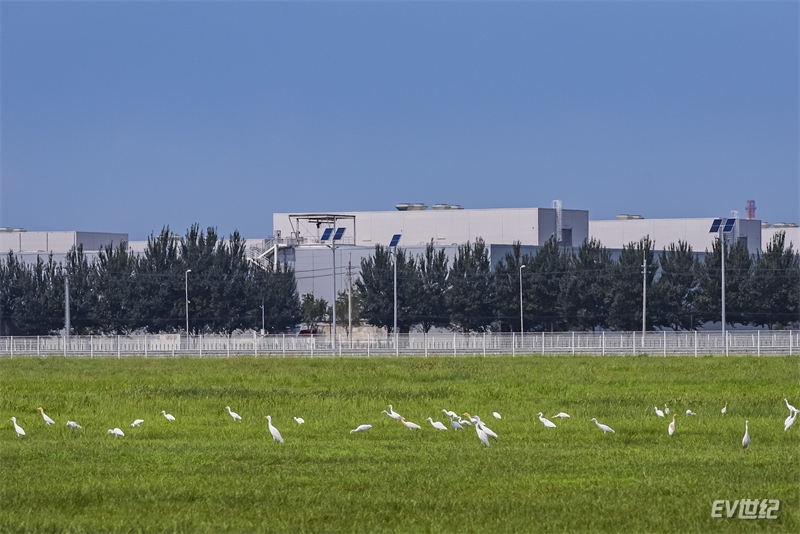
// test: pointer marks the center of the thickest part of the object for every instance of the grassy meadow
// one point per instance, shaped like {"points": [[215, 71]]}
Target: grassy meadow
{"points": [[206, 473]]}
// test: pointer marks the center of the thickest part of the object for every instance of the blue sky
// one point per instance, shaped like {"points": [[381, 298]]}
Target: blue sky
{"points": [[124, 117]]}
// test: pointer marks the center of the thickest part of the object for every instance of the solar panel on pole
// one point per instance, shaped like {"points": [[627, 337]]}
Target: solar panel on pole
{"points": [[729, 224], [339, 233], [715, 226], [395, 240], [326, 234]]}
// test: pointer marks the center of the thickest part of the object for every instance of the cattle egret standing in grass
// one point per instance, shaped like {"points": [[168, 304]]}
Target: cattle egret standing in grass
{"points": [[787, 424], [18, 428], [604, 428], [73, 424], [666, 410], [299, 420], [436, 424], [746, 438], [455, 424], [690, 412], [724, 409], [659, 412], [450, 414], [561, 415], [393, 415], [497, 415], [169, 416], [272, 430], [116, 432], [791, 408], [46, 418], [546, 422], [480, 424], [361, 428], [671, 429], [137, 422], [409, 425], [236, 416]]}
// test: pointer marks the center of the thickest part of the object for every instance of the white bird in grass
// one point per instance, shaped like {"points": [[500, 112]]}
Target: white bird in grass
{"points": [[671, 428], [666, 410], [169, 416], [137, 422], [46, 418], [116, 432], [393, 414], [481, 425], [450, 414], [456, 425], [20, 431], [482, 434], [272, 430], [546, 422], [690, 412], [436, 424], [791, 408], [299, 420], [604, 428], [561, 415], [746, 438], [724, 409], [659, 412], [73, 424], [236, 416], [497, 415], [464, 421], [361, 428], [787, 424], [409, 425]]}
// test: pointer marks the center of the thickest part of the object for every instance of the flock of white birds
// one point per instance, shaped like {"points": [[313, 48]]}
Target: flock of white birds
{"points": [[457, 422]]}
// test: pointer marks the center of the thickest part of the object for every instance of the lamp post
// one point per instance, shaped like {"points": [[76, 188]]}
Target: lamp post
{"points": [[521, 316], [393, 245], [262, 316], [186, 275]]}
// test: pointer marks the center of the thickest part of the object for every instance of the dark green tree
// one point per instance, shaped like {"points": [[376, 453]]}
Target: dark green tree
{"points": [[674, 291], [375, 288], [584, 291], [431, 304], [737, 291], [160, 285], [775, 284], [625, 296], [470, 288], [13, 284], [114, 290], [544, 275], [277, 291], [506, 290], [81, 294], [315, 311]]}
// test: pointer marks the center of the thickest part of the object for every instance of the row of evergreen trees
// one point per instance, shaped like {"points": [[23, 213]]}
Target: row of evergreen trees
{"points": [[120, 292], [581, 290]]}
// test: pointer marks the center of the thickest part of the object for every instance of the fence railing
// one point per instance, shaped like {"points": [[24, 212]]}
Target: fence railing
{"points": [[751, 342]]}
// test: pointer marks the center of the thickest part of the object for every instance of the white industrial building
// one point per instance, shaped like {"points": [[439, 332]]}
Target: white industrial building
{"points": [[30, 245]]}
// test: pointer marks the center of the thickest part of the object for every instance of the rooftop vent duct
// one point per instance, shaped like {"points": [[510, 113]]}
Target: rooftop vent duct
{"points": [[785, 225], [628, 217], [403, 206], [418, 206], [447, 207], [765, 224]]}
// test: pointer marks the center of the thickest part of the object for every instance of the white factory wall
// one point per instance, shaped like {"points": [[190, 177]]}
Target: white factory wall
{"points": [[792, 237], [615, 234], [30, 245]]}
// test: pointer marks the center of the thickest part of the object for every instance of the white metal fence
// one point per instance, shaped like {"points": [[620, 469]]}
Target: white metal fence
{"points": [[755, 342]]}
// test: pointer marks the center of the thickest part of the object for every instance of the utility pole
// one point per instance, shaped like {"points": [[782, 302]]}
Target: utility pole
{"points": [[67, 326], [350, 297], [722, 256], [644, 293]]}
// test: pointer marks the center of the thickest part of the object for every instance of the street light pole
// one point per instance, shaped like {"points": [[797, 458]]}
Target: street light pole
{"points": [[262, 316], [395, 300], [186, 274], [521, 316], [722, 255]]}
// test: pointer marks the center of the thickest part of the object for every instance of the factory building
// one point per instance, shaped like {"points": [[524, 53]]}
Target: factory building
{"points": [[30, 245]]}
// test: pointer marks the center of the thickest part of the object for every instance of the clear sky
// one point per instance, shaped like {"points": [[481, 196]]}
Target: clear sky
{"points": [[126, 116]]}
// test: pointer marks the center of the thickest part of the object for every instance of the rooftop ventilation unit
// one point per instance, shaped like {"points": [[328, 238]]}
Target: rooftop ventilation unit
{"points": [[403, 206], [785, 225], [447, 207], [765, 224], [418, 206], [628, 217]]}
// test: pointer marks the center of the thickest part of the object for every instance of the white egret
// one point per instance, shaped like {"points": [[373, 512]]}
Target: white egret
{"points": [[690, 412], [450, 414], [561, 415], [116, 432], [361, 428], [272, 430], [480, 424], [299, 420], [465, 421], [46, 418], [456, 425], [236, 416], [393, 415], [73, 424], [671, 428], [18, 428], [497, 415], [546, 422], [482, 434], [137, 422], [659, 412], [666, 410], [604, 428], [746, 438], [409, 425], [169, 416], [791, 408], [787, 424], [724, 409], [436, 424]]}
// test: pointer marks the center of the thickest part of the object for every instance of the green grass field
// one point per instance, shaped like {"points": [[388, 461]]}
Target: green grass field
{"points": [[206, 473]]}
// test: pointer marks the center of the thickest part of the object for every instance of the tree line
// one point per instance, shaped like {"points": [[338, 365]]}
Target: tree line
{"points": [[583, 289], [120, 292]]}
